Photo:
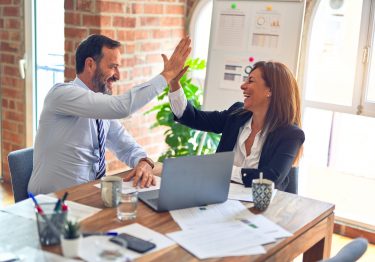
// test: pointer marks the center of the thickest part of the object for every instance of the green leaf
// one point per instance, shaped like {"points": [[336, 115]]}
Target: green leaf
{"points": [[180, 139]]}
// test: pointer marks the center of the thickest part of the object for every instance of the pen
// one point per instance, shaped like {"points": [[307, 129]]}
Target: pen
{"points": [[64, 197], [64, 207], [59, 202], [37, 206], [57, 206], [86, 234]]}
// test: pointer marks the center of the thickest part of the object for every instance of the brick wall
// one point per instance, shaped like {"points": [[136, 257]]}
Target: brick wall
{"points": [[12, 86], [145, 28]]}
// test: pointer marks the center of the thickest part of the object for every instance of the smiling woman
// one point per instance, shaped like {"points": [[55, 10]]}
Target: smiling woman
{"points": [[263, 131]]}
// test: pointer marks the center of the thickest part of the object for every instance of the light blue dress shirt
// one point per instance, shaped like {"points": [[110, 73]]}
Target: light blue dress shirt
{"points": [[66, 150]]}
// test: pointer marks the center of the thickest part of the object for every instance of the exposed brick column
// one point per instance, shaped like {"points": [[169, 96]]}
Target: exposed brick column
{"points": [[12, 86], [146, 29]]}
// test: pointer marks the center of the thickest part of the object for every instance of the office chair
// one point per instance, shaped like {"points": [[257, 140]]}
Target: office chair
{"points": [[350, 252], [20, 166], [293, 181]]}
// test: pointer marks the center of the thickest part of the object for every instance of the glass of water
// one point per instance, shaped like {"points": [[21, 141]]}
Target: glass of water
{"points": [[127, 209]]}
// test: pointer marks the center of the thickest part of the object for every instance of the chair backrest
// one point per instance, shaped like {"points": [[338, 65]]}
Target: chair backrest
{"points": [[21, 167], [350, 252], [293, 181]]}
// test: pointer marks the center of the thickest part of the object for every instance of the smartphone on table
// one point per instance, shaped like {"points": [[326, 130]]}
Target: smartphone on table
{"points": [[133, 243]]}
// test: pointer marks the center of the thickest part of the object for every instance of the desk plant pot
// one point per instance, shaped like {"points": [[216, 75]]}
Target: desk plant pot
{"points": [[70, 239]]}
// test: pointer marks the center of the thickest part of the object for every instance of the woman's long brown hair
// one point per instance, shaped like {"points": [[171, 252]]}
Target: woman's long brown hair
{"points": [[285, 101]]}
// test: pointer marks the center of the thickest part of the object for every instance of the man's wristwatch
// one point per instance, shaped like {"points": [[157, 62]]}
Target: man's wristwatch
{"points": [[149, 161]]}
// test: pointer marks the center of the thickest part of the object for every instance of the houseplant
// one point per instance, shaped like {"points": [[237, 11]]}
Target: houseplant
{"points": [[182, 140], [70, 239]]}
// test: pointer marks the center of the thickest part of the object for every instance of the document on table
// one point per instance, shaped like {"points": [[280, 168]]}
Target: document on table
{"points": [[217, 213], [230, 239], [26, 209], [231, 210], [126, 185], [266, 226], [29, 254], [240, 192], [93, 245]]}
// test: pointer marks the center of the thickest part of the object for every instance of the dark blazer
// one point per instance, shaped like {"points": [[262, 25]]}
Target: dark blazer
{"points": [[279, 150]]}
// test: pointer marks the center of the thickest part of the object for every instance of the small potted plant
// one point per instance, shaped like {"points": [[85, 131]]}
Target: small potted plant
{"points": [[70, 239]]}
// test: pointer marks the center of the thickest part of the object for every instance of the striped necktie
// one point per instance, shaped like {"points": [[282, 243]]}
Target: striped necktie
{"points": [[101, 140]]}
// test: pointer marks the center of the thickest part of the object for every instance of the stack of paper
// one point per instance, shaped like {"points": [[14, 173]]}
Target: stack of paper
{"points": [[227, 229], [240, 192], [26, 209], [128, 184], [92, 247], [29, 254], [223, 239]]}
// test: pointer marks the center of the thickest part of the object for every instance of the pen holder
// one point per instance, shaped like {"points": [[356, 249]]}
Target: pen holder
{"points": [[50, 224]]}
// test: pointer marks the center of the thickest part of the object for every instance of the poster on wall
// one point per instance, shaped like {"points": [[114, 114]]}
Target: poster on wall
{"points": [[231, 28], [235, 72], [242, 33], [266, 29]]}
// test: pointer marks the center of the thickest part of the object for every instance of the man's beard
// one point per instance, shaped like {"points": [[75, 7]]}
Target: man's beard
{"points": [[99, 83]]}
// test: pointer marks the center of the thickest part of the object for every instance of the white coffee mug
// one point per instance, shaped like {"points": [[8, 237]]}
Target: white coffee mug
{"points": [[111, 190]]}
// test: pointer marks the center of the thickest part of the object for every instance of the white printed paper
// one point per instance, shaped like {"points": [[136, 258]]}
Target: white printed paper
{"points": [[240, 192], [230, 30], [266, 226], [92, 246], [26, 208], [29, 254], [228, 211], [221, 240], [128, 185]]}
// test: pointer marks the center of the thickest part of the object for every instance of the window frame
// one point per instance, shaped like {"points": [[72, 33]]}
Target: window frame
{"points": [[368, 107], [192, 21], [359, 104]]}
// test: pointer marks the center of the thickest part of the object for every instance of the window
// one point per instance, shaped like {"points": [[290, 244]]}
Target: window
{"points": [[200, 26], [49, 54], [44, 53], [331, 56], [338, 99]]}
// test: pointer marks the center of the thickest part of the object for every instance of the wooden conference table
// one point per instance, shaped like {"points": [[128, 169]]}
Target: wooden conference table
{"points": [[310, 221]]}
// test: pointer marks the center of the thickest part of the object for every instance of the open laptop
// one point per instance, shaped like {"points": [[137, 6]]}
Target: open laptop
{"points": [[191, 181]]}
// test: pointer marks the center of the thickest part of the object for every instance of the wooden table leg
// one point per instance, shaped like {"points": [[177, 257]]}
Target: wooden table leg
{"points": [[322, 249]]}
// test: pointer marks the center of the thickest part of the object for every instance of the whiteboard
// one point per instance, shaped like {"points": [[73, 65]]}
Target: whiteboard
{"points": [[242, 33]]}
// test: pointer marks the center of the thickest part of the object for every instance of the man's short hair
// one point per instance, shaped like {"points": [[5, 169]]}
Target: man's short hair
{"points": [[92, 47]]}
